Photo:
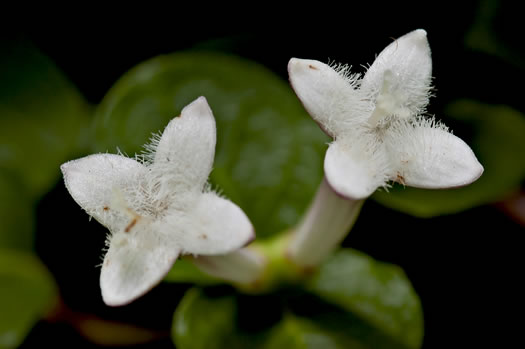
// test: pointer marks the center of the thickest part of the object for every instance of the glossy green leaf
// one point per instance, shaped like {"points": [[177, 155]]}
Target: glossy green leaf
{"points": [[43, 118], [16, 215], [378, 293], [269, 152], [498, 142], [27, 292], [204, 321], [201, 322]]}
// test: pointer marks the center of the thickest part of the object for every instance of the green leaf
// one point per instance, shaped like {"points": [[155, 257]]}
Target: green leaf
{"points": [[16, 215], [203, 323], [378, 293], [490, 34], [27, 293], [206, 321], [185, 271], [269, 152], [42, 116], [300, 333], [499, 144]]}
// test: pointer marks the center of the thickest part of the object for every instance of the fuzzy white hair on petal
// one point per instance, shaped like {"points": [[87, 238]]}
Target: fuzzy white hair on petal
{"points": [[158, 205], [377, 122], [326, 94], [425, 154], [407, 65]]}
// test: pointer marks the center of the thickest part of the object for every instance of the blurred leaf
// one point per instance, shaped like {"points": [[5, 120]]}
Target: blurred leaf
{"points": [[378, 293], [16, 215], [269, 152], [185, 271], [491, 33], [27, 292], [107, 333], [203, 323], [42, 116], [498, 142], [300, 333]]}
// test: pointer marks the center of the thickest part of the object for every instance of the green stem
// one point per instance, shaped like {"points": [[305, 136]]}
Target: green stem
{"points": [[242, 267], [291, 256], [324, 226]]}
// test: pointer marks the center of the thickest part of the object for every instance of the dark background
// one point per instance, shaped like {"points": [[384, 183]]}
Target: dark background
{"points": [[465, 267]]}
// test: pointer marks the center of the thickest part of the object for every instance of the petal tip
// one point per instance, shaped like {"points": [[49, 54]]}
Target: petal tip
{"points": [[418, 37], [420, 33], [251, 237], [349, 174], [292, 63], [346, 192], [298, 65], [116, 293], [201, 100], [248, 236], [113, 298], [473, 169], [477, 172], [70, 171], [64, 167], [199, 106], [113, 301], [71, 165]]}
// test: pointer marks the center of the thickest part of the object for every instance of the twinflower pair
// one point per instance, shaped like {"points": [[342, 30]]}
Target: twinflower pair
{"points": [[160, 207]]}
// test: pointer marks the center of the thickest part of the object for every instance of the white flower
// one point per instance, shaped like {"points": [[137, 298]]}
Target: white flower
{"points": [[377, 122], [158, 208]]}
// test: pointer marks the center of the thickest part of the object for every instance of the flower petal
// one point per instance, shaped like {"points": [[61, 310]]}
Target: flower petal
{"points": [[184, 154], [355, 170], [213, 226], [328, 96], [91, 181], [401, 74], [427, 156], [137, 260]]}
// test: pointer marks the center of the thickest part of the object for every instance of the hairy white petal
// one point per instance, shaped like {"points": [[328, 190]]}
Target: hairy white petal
{"points": [[401, 74], [213, 226], [328, 96], [93, 180], [356, 170], [426, 155], [137, 260], [157, 209], [184, 154]]}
